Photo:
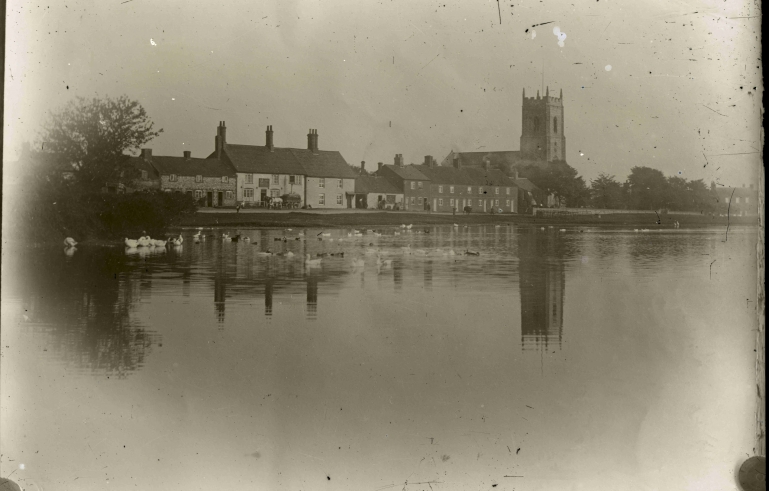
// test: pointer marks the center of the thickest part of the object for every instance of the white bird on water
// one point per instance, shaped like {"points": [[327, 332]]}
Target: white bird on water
{"points": [[70, 242], [312, 262], [132, 243]]}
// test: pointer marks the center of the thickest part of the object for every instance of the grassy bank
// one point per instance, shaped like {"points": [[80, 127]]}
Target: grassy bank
{"points": [[374, 219]]}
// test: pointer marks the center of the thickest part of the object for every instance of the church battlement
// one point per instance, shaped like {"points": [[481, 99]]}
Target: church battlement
{"points": [[540, 99], [542, 136]]}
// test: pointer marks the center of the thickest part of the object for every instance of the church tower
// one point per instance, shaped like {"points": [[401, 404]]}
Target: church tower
{"points": [[542, 137]]}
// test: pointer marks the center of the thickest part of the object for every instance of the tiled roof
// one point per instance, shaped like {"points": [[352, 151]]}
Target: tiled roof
{"points": [[324, 163], [466, 176], [491, 177], [253, 159], [375, 184], [141, 164], [476, 159], [526, 185], [192, 167], [444, 175], [410, 172]]}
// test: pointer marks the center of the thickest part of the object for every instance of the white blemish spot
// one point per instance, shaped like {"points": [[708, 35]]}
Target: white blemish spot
{"points": [[560, 35], [533, 34], [21, 466], [581, 154], [152, 42], [608, 68]]}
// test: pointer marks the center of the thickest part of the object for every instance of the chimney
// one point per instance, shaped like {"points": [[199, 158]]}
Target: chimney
{"points": [[429, 161], [516, 173], [268, 142], [221, 138], [537, 95], [379, 166], [312, 141], [561, 96], [524, 93], [399, 160], [456, 162], [547, 91], [146, 154], [187, 155], [362, 166]]}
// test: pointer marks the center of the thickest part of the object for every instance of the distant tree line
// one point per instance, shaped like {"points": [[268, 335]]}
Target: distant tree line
{"points": [[644, 189]]}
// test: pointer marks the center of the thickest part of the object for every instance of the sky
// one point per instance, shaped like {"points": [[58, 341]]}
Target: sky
{"points": [[674, 85]]}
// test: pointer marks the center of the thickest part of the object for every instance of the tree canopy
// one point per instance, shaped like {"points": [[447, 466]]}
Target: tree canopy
{"points": [[559, 179], [91, 137]]}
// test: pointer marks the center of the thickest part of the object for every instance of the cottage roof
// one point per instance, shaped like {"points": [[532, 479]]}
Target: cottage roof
{"points": [[191, 167], [476, 159], [253, 159], [375, 184], [410, 172], [526, 185], [323, 163], [141, 164]]}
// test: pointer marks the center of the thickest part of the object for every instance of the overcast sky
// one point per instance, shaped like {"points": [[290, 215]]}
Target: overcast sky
{"points": [[406, 76]]}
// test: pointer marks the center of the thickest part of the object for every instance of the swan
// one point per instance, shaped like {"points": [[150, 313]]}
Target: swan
{"points": [[143, 241], [181, 239], [159, 243], [358, 263], [197, 235], [452, 253], [349, 234], [497, 226], [383, 262], [456, 225], [226, 236], [409, 226], [174, 241], [403, 226], [312, 262], [266, 253], [301, 234], [70, 242], [326, 235], [131, 243], [289, 254], [246, 239], [562, 230], [542, 228], [397, 233], [635, 230]]}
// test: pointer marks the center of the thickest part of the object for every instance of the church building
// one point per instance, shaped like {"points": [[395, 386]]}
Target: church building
{"points": [[542, 138]]}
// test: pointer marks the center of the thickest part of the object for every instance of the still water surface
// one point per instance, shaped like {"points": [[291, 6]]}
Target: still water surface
{"points": [[601, 360]]}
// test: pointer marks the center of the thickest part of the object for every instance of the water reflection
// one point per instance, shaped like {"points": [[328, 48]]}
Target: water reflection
{"points": [[542, 279], [83, 306]]}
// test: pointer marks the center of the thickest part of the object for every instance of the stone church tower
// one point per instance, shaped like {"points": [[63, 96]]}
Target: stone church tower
{"points": [[542, 137]]}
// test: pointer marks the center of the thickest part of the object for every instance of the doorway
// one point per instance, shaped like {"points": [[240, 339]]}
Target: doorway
{"points": [[263, 196], [220, 198], [209, 199]]}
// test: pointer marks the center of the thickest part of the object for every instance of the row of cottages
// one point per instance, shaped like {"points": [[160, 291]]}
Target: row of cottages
{"points": [[210, 181], [313, 177], [431, 187], [737, 202]]}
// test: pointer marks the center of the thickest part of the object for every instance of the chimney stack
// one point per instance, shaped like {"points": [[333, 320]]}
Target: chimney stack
{"points": [[312, 141], [146, 154], [362, 166], [187, 155], [379, 166], [399, 160], [221, 139], [516, 173], [456, 162], [268, 142], [429, 161]]}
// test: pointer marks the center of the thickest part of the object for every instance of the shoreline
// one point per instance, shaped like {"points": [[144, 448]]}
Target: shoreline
{"points": [[383, 218]]}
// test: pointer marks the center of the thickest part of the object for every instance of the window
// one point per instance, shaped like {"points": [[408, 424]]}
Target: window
{"points": [[747, 200], [339, 198], [507, 190], [144, 174], [419, 184], [496, 202], [451, 189], [172, 178], [440, 189], [274, 193], [248, 194], [292, 179], [339, 183], [726, 200], [198, 193], [413, 185], [555, 125], [275, 179], [496, 190], [225, 179], [738, 200], [249, 178], [198, 178], [480, 202], [469, 190], [440, 202], [480, 190], [507, 203], [321, 199], [227, 194], [322, 183], [412, 199]]}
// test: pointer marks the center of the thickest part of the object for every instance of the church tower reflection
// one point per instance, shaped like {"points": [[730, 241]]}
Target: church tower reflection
{"points": [[542, 280], [268, 288], [312, 297]]}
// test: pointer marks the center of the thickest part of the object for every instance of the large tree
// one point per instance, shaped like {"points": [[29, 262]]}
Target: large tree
{"points": [[559, 179], [647, 189], [91, 138], [606, 192]]}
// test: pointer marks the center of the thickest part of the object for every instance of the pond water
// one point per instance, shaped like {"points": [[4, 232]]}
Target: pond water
{"points": [[598, 359]]}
